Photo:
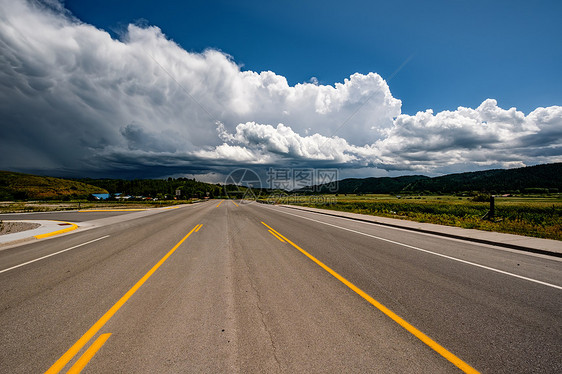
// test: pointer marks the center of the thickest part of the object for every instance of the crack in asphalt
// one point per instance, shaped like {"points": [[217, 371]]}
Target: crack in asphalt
{"points": [[263, 321]]}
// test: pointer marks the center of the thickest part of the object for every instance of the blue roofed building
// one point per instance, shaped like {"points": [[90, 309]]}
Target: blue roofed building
{"points": [[101, 196]]}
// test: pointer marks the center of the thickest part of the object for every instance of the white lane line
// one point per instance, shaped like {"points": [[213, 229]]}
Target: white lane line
{"points": [[432, 235], [426, 251], [52, 254]]}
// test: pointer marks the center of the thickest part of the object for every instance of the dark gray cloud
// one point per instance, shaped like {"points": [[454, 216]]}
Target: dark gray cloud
{"points": [[74, 101]]}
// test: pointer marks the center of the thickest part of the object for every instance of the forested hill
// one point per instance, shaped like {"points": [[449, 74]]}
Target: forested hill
{"points": [[540, 178], [19, 186], [157, 187], [548, 176], [373, 185], [532, 179]]}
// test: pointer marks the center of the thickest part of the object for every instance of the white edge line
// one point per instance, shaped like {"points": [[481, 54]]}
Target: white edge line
{"points": [[432, 235], [427, 251], [52, 254]]}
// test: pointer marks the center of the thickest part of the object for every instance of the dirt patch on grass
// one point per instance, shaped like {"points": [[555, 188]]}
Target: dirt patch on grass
{"points": [[13, 227]]}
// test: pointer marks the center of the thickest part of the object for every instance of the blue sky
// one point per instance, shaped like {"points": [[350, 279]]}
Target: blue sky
{"points": [[182, 88], [459, 52]]}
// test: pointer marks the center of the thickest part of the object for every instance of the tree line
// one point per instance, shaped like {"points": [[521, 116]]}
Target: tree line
{"points": [[158, 188]]}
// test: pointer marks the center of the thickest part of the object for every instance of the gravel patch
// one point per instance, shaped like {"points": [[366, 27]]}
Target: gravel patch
{"points": [[13, 227]]}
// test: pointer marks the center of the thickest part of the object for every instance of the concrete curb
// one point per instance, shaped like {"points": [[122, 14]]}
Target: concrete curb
{"points": [[47, 229], [534, 245], [51, 228]]}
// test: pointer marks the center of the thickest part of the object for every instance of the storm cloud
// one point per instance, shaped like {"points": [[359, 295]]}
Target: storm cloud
{"points": [[74, 100]]}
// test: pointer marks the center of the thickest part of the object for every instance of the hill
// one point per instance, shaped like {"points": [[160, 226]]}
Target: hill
{"points": [[532, 178], [19, 186], [384, 185], [539, 178], [160, 188]]}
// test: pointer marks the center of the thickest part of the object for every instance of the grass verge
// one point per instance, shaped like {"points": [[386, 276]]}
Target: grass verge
{"points": [[537, 217]]}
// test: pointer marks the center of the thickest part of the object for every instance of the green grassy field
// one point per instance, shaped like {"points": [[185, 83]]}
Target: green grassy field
{"points": [[538, 216]]}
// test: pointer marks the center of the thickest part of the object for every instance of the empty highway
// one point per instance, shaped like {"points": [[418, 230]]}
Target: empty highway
{"points": [[225, 286]]}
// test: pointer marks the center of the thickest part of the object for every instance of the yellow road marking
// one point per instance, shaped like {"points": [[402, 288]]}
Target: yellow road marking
{"points": [[72, 227], [198, 227], [277, 236], [88, 355], [389, 313], [219, 203], [112, 210], [72, 351], [234, 203]]}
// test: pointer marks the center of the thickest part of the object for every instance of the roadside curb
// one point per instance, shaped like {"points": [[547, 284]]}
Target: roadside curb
{"points": [[434, 232], [50, 228], [47, 229], [72, 227]]}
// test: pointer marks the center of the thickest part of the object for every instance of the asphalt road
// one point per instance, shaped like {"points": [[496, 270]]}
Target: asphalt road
{"points": [[255, 288]]}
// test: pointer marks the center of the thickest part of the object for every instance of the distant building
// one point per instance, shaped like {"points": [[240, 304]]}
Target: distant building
{"points": [[101, 196]]}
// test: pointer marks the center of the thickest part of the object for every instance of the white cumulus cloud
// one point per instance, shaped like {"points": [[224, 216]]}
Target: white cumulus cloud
{"points": [[487, 135], [75, 100]]}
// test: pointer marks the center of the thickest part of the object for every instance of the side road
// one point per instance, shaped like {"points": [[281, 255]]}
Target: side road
{"points": [[49, 228], [524, 243], [46, 229]]}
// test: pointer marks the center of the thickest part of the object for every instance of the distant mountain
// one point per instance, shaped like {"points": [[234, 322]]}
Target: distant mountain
{"points": [[157, 187], [373, 185], [546, 177], [18, 186]]}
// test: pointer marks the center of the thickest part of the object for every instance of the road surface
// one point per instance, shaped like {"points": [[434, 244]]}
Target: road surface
{"points": [[224, 286]]}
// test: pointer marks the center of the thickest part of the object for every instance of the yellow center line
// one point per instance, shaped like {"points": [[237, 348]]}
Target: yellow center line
{"points": [[88, 355], [234, 203], [72, 351], [219, 203], [198, 227], [389, 313], [277, 236]]}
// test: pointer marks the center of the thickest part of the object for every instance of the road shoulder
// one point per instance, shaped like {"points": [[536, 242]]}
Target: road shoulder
{"points": [[518, 242]]}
